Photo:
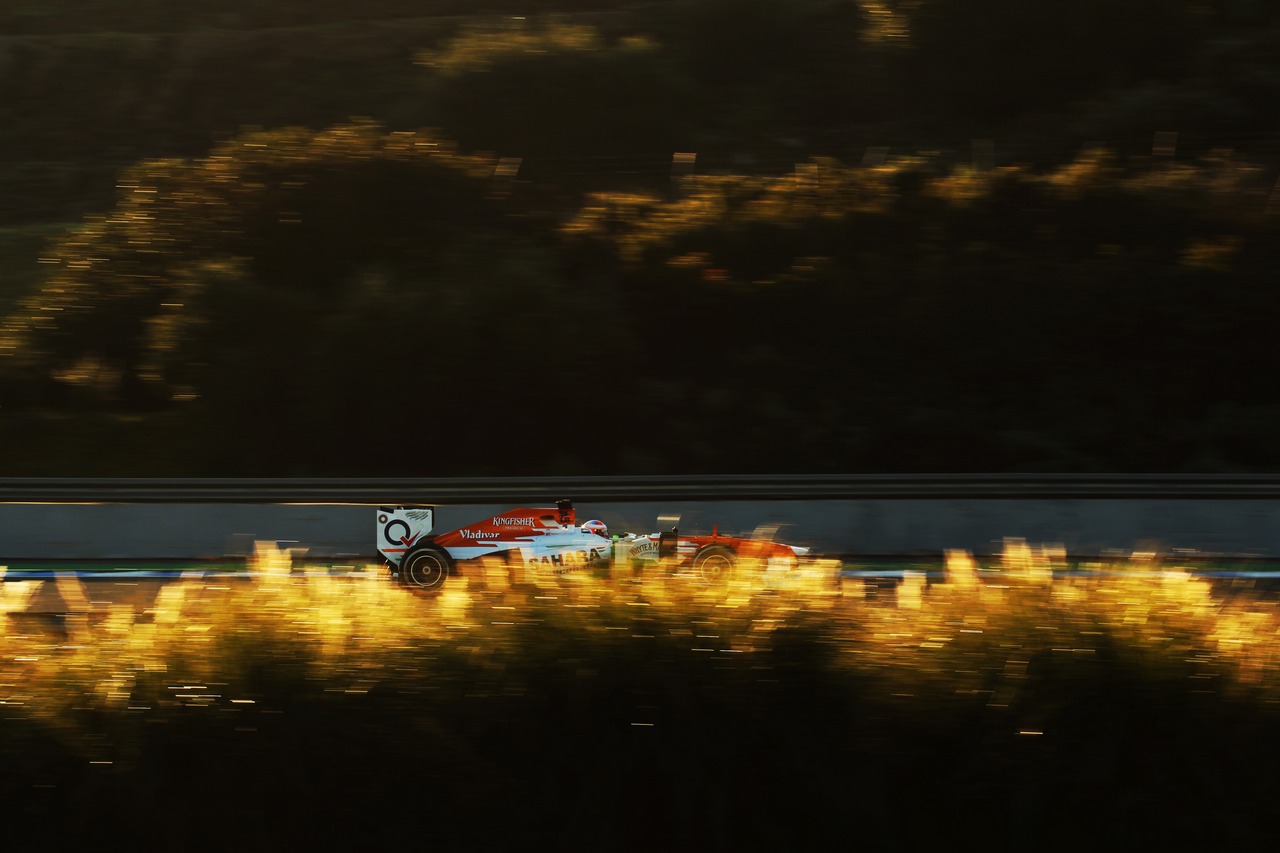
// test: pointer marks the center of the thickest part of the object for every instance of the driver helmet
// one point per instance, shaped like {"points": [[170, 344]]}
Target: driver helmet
{"points": [[597, 527]]}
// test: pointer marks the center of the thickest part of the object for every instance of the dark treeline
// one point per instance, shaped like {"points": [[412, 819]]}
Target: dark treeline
{"points": [[682, 236]]}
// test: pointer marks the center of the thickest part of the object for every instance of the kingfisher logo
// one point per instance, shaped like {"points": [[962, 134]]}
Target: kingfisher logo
{"points": [[503, 521]]}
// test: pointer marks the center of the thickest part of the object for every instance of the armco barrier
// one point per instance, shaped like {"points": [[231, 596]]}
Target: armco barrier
{"points": [[474, 490]]}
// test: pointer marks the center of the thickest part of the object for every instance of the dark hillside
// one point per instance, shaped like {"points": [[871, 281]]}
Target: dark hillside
{"points": [[903, 236]]}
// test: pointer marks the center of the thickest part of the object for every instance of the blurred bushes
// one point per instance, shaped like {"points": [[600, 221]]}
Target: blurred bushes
{"points": [[749, 84], [350, 285], [550, 96], [836, 277], [1127, 701]]}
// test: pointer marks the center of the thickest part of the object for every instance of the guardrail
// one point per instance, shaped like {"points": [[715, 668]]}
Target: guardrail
{"points": [[379, 491]]}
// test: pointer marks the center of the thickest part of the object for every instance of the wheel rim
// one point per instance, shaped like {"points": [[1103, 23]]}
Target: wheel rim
{"points": [[715, 567], [426, 571]]}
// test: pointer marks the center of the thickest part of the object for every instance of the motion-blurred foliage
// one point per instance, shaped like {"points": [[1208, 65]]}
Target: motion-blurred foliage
{"points": [[294, 212], [901, 235], [550, 95], [1127, 700]]}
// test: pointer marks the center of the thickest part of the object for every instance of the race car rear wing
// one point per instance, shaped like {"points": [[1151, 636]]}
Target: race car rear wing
{"points": [[400, 527]]}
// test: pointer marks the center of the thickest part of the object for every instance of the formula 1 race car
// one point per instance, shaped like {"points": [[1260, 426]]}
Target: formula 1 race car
{"points": [[550, 538]]}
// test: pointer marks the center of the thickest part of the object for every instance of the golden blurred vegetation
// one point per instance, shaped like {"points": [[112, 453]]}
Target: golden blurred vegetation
{"points": [[916, 235], [1124, 701]]}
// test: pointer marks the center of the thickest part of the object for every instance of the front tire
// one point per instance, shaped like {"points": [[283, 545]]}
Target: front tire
{"points": [[425, 568], [714, 563]]}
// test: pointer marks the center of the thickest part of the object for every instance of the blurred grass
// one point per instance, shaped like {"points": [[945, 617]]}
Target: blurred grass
{"points": [[785, 711]]}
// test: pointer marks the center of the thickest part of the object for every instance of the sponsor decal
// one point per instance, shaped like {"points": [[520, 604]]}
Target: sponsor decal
{"points": [[644, 548], [502, 521], [568, 561], [479, 534], [402, 538]]}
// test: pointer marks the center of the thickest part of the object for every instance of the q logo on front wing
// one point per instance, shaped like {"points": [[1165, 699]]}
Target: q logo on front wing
{"points": [[405, 539]]}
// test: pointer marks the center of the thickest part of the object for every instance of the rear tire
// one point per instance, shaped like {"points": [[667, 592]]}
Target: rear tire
{"points": [[425, 568], [714, 563]]}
